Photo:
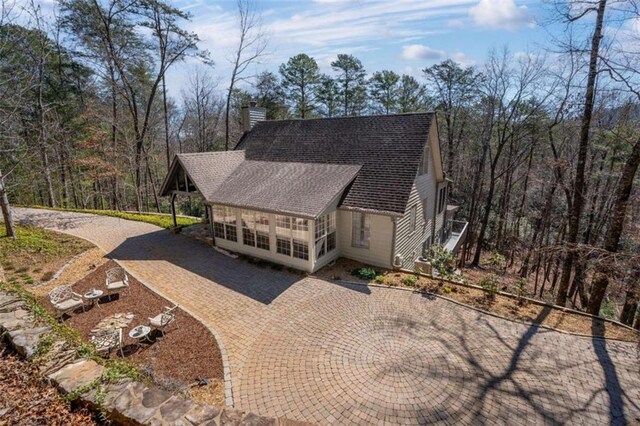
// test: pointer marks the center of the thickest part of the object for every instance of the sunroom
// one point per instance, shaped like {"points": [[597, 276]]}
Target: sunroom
{"points": [[281, 212], [298, 242]]}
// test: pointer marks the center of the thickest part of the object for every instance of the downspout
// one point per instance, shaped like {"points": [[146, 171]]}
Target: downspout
{"points": [[394, 221], [213, 237], [435, 214]]}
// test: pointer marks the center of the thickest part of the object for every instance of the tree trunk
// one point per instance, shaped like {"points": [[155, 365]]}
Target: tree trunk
{"points": [[578, 196], [166, 121], [114, 138], [6, 210], [485, 217], [616, 226], [632, 297]]}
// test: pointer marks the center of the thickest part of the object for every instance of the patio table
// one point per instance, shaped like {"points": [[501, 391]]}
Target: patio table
{"points": [[94, 296], [141, 333]]}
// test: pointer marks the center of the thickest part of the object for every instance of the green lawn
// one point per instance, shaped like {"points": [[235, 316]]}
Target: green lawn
{"points": [[164, 221], [37, 251]]}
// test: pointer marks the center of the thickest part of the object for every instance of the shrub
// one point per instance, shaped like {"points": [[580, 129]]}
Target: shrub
{"points": [[497, 260], [608, 310], [409, 280], [442, 260], [47, 276], [380, 279], [365, 273], [520, 289], [491, 283], [446, 290]]}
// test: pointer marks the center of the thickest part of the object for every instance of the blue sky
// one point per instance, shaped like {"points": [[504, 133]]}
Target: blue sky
{"points": [[402, 35]]}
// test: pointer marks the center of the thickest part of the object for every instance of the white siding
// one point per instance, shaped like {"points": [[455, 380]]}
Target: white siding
{"points": [[409, 244], [380, 242], [440, 217]]}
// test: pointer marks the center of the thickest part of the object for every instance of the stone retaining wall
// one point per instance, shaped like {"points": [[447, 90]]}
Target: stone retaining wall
{"points": [[126, 402]]}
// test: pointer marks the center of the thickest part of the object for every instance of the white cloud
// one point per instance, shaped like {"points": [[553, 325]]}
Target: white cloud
{"points": [[414, 52], [420, 51], [635, 26], [501, 14], [455, 23]]}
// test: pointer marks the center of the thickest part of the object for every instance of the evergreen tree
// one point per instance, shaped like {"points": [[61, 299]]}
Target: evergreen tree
{"points": [[411, 95], [328, 96], [352, 84], [270, 95], [384, 90], [300, 78]]}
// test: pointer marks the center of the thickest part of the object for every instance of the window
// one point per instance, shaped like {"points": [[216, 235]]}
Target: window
{"points": [[262, 241], [425, 215], [224, 223], [255, 229], [292, 235], [360, 230], [412, 218], [442, 199], [426, 159], [248, 228], [325, 234], [283, 246], [301, 249], [248, 237]]}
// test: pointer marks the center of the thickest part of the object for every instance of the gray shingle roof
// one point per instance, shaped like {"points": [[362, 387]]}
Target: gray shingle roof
{"points": [[299, 189], [207, 170], [389, 148]]}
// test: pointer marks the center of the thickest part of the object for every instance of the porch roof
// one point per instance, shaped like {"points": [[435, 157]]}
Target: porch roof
{"points": [[299, 189], [207, 170]]}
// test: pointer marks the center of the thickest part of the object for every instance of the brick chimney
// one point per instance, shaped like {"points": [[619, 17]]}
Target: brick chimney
{"points": [[251, 114]]}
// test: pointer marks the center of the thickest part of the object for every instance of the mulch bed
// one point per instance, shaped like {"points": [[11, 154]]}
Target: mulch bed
{"points": [[188, 351], [26, 399]]}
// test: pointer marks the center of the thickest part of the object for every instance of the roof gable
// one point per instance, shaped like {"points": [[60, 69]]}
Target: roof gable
{"points": [[388, 147], [207, 170]]}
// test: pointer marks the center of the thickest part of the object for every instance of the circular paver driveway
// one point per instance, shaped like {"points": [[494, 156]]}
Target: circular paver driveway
{"points": [[312, 350], [358, 355]]}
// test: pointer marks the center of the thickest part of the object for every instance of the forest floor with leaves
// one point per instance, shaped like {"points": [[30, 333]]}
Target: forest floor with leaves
{"points": [[27, 399]]}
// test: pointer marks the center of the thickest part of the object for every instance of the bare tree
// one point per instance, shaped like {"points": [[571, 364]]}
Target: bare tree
{"points": [[579, 184], [512, 97], [251, 46], [12, 95], [202, 109]]}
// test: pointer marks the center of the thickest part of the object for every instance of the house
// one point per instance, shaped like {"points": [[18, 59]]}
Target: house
{"points": [[304, 192]]}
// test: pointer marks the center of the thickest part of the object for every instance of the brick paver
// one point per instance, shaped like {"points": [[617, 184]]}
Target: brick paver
{"points": [[307, 349]]}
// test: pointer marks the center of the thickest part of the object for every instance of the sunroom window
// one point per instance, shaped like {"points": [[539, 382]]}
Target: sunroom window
{"points": [[224, 223], [325, 234], [255, 229], [292, 235]]}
